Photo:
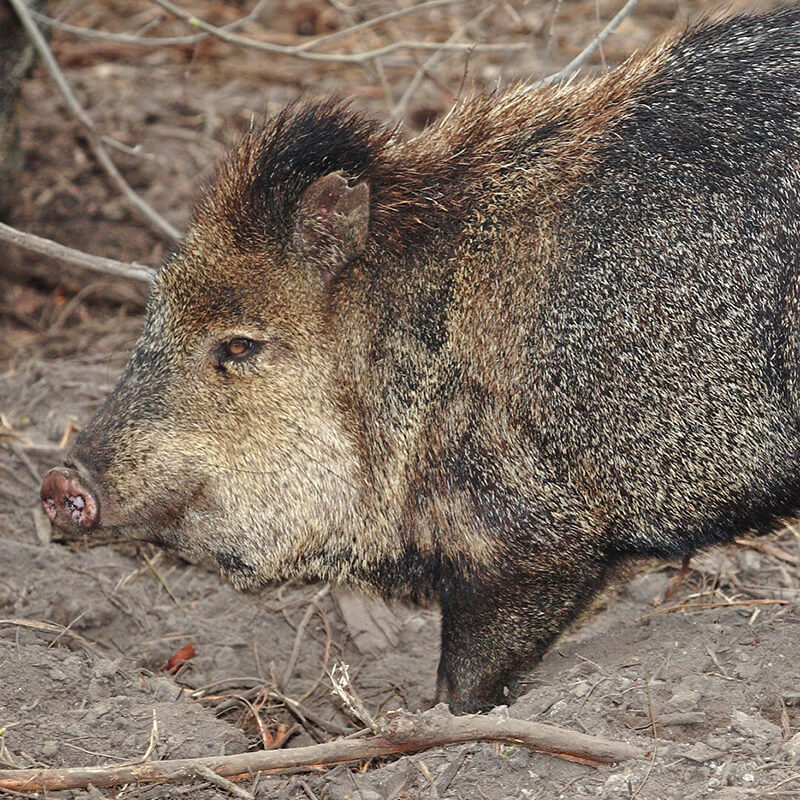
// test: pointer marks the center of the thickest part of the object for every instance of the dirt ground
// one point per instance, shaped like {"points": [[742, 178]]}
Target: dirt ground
{"points": [[705, 680]]}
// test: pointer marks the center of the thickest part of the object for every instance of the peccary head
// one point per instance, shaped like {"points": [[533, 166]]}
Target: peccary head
{"points": [[226, 435]]}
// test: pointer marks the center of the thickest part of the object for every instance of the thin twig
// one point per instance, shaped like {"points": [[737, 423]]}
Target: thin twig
{"points": [[47, 247], [589, 50], [371, 23], [304, 714], [377, 66], [182, 41], [263, 733], [144, 41], [401, 104], [772, 789], [597, 28], [159, 577], [354, 705], [150, 214], [208, 774], [655, 736], [705, 606], [298, 637], [340, 58], [550, 34], [399, 732], [769, 550], [25, 459], [51, 627], [326, 653], [307, 789], [153, 743]]}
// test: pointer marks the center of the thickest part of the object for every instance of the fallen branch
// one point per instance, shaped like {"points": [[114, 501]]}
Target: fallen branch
{"points": [[47, 247], [398, 732]]}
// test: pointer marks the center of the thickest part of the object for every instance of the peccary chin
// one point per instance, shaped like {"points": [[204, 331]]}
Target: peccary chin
{"points": [[555, 331]]}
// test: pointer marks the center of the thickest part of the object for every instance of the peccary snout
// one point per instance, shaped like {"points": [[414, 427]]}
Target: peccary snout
{"points": [[69, 501]]}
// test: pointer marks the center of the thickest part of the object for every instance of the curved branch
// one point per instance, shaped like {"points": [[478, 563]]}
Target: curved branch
{"points": [[399, 732]]}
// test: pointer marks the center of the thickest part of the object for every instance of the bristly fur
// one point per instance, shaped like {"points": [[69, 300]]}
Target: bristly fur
{"points": [[563, 330], [423, 189]]}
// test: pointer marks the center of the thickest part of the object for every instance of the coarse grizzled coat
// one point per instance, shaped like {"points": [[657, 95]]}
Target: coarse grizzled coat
{"points": [[556, 330]]}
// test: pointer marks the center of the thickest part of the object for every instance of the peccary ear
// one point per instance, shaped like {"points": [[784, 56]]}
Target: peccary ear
{"points": [[331, 224]]}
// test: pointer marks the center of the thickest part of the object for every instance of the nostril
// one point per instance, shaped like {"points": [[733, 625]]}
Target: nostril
{"points": [[75, 504], [67, 500], [50, 507]]}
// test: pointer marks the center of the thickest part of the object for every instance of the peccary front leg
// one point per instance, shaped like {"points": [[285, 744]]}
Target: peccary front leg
{"points": [[493, 629]]}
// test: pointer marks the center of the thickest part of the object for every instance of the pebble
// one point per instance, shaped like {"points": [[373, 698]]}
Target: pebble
{"points": [[618, 785], [683, 700], [792, 748], [700, 752], [754, 727], [105, 667], [581, 689]]}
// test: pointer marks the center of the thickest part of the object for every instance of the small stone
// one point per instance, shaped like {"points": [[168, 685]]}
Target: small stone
{"points": [[792, 748], [700, 752], [105, 668], [683, 700], [754, 727], [581, 689], [792, 699], [617, 785]]}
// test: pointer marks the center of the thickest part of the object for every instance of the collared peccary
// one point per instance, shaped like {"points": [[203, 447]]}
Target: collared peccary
{"points": [[557, 330]]}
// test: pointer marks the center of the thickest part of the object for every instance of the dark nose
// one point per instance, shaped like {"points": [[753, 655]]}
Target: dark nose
{"points": [[69, 500]]}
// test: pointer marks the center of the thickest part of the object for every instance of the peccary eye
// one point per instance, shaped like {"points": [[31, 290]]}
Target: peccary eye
{"points": [[240, 348], [236, 349]]}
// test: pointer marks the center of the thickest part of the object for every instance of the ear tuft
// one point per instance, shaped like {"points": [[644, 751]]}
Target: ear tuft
{"points": [[332, 224]]}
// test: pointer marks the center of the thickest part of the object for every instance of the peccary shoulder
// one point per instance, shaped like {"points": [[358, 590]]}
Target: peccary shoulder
{"points": [[557, 330]]}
